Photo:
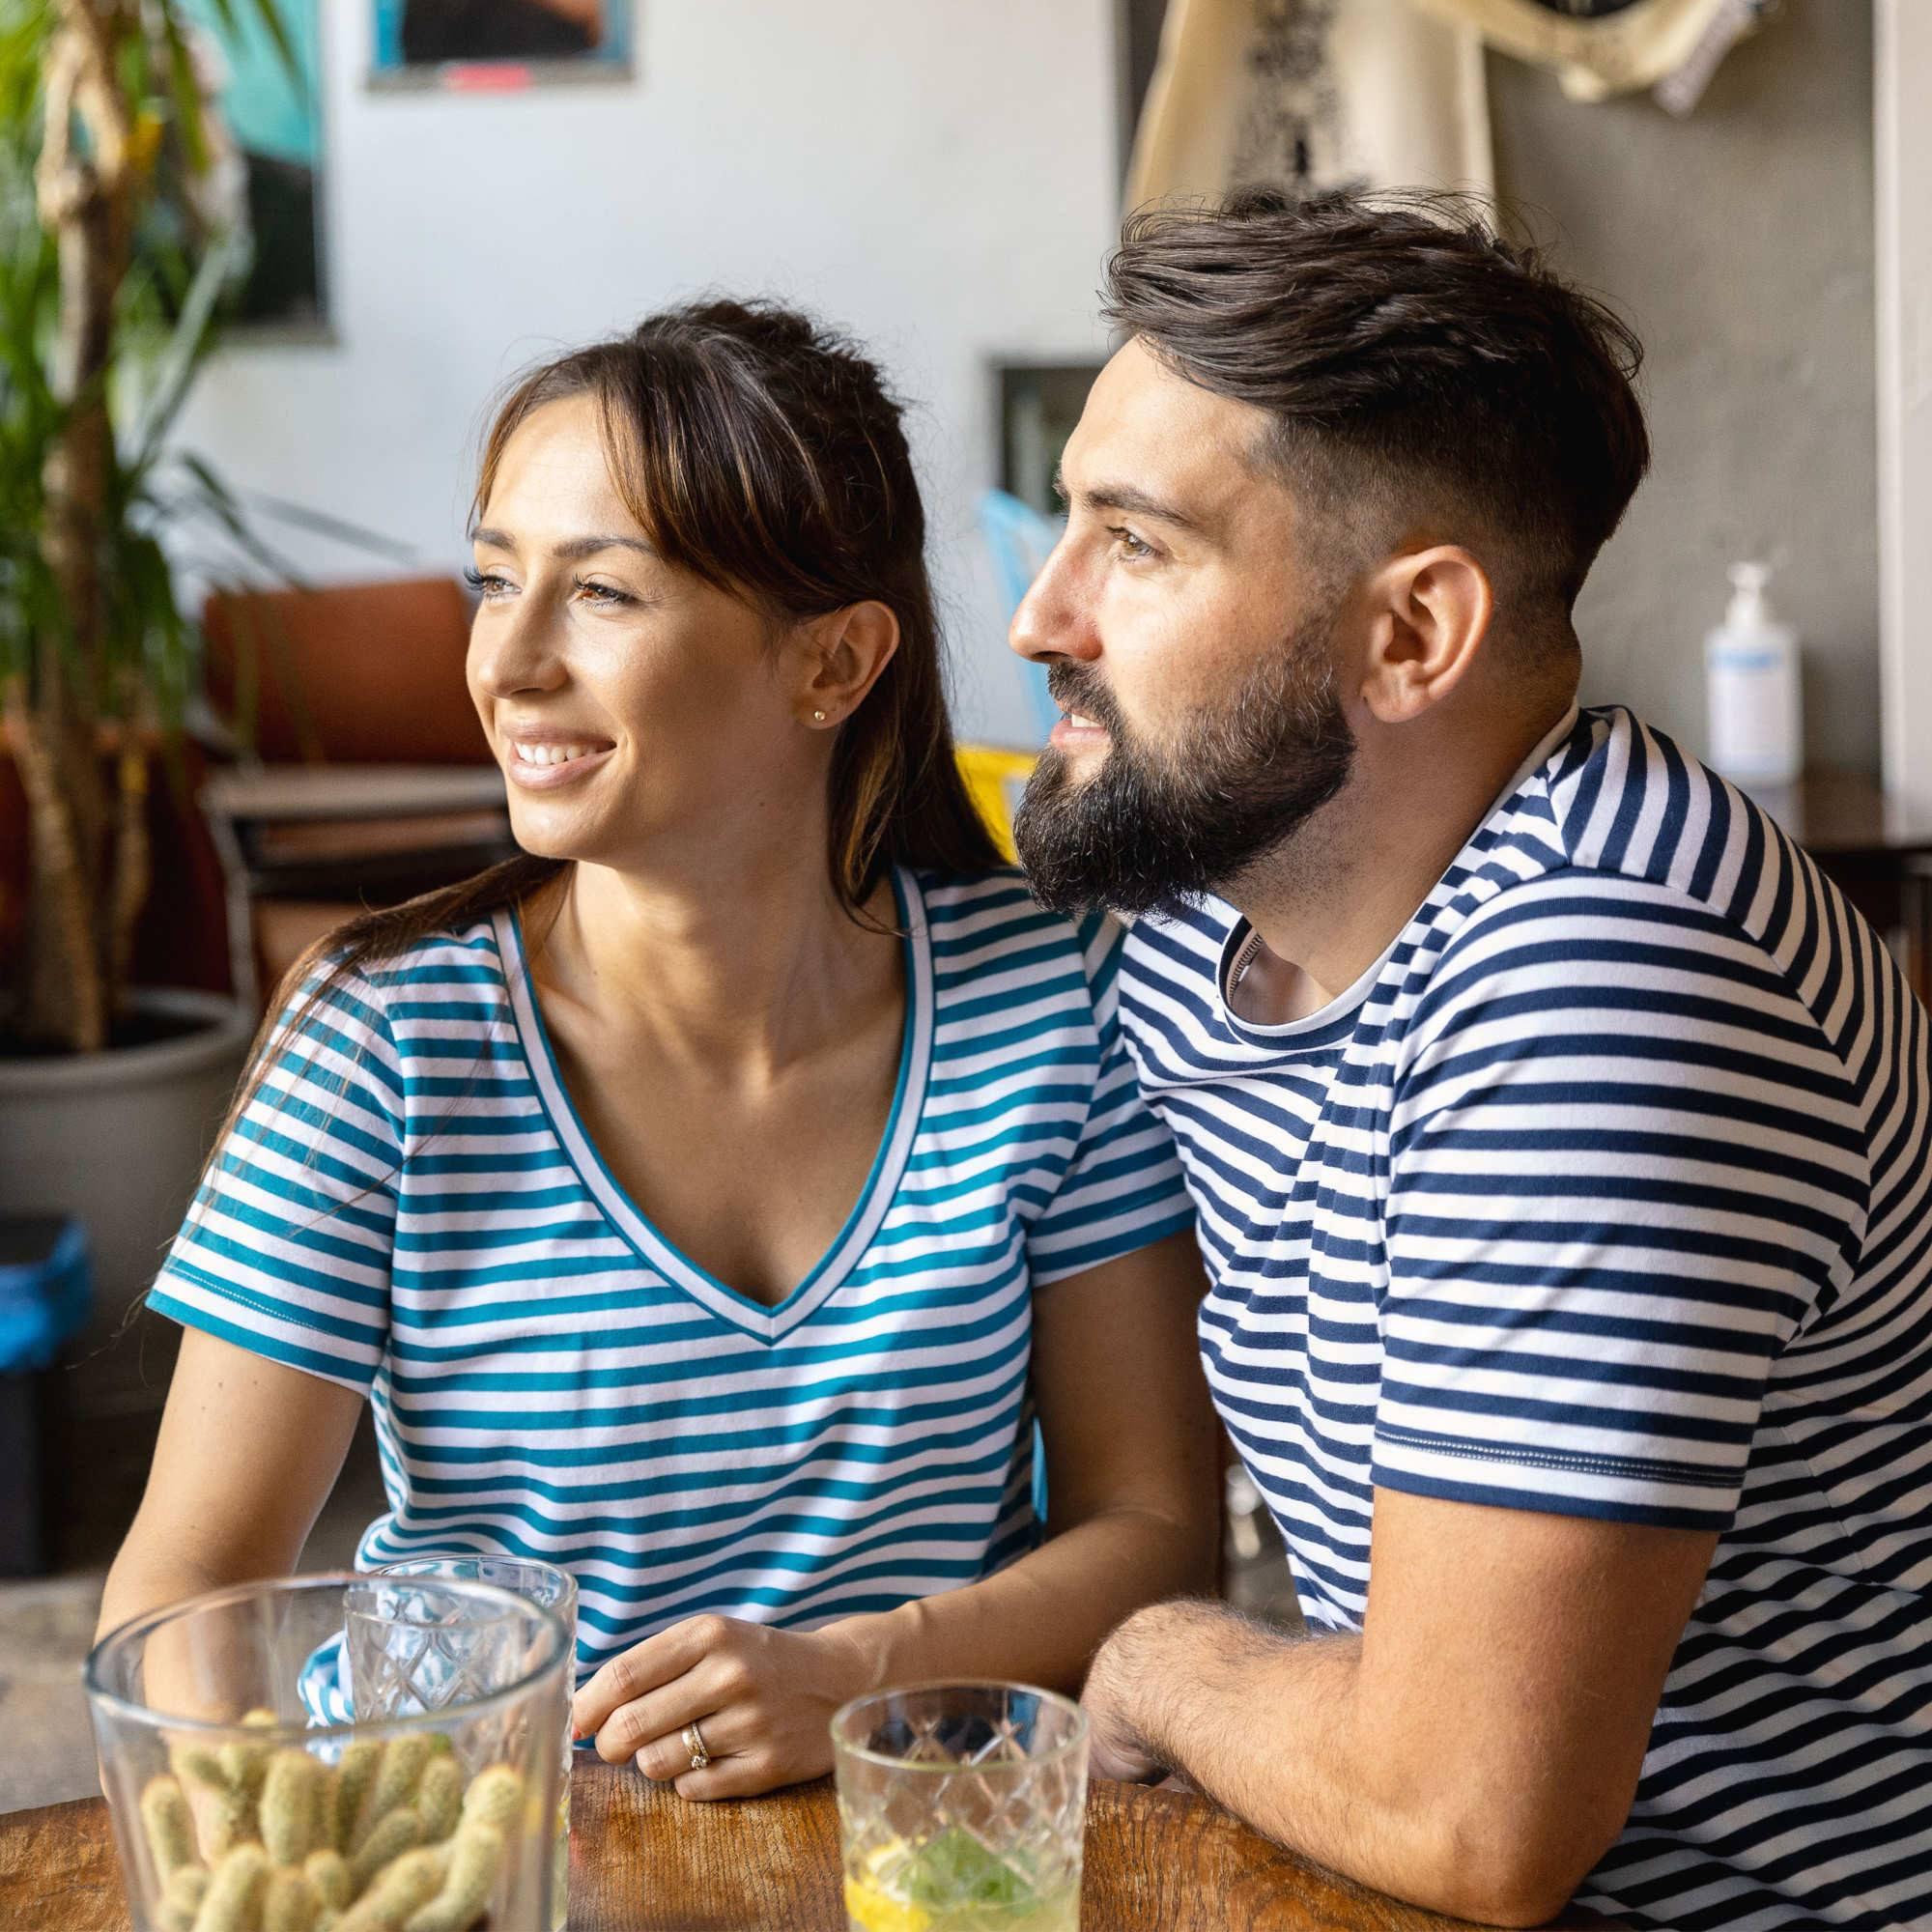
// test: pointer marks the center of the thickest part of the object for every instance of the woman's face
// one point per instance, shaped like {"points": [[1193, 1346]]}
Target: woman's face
{"points": [[627, 702]]}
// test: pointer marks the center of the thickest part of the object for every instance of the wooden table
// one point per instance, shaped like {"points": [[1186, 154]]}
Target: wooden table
{"points": [[644, 1860]]}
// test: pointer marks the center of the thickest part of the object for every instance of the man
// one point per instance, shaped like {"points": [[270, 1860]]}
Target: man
{"points": [[1558, 1134]]}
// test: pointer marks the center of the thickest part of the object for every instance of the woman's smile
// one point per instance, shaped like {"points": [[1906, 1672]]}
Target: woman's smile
{"points": [[544, 760]]}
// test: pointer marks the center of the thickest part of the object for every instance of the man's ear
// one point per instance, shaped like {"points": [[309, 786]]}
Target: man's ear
{"points": [[1429, 611], [840, 657]]}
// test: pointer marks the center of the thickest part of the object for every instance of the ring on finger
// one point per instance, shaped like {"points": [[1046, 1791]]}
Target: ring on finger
{"points": [[692, 1740]]}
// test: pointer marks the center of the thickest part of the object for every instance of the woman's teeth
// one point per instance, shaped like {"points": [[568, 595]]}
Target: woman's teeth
{"points": [[550, 755]]}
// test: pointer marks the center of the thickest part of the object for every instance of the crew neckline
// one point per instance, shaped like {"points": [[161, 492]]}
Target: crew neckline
{"points": [[1335, 1020]]}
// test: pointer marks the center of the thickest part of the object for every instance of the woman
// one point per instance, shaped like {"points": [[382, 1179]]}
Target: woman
{"points": [[709, 1200]]}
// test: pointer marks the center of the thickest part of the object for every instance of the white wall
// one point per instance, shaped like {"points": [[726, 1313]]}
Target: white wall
{"points": [[936, 176], [1904, 143], [1737, 242]]}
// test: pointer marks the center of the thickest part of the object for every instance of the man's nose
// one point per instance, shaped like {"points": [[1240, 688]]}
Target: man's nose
{"points": [[1054, 619]]}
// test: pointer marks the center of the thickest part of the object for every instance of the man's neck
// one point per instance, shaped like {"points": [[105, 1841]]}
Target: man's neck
{"points": [[1328, 905]]}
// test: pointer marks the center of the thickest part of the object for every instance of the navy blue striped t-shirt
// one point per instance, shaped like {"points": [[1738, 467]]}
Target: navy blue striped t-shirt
{"points": [[1607, 1192]]}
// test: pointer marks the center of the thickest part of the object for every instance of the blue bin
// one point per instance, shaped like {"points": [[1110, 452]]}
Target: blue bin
{"points": [[45, 1292]]}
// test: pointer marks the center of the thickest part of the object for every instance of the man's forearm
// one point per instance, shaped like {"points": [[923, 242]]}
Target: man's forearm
{"points": [[1272, 1726]]}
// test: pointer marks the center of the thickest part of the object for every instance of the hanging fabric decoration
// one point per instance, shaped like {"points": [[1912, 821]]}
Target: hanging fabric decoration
{"points": [[1311, 94], [1601, 47]]}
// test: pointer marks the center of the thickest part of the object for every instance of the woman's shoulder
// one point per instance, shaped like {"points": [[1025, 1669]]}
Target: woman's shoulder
{"points": [[990, 920], [465, 956]]}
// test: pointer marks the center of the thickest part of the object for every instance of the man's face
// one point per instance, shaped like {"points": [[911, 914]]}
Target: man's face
{"points": [[1188, 632]]}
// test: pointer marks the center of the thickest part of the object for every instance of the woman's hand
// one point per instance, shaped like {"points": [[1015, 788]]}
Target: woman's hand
{"points": [[762, 1700]]}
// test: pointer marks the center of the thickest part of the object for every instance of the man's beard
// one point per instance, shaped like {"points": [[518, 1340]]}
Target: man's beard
{"points": [[1148, 832]]}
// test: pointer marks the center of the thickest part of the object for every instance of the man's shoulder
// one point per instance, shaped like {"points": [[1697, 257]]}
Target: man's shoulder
{"points": [[1645, 833], [1627, 802]]}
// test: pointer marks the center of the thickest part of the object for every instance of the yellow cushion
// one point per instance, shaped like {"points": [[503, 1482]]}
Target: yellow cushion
{"points": [[995, 778]]}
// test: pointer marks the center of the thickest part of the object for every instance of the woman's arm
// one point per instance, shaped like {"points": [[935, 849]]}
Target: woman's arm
{"points": [[1130, 1486], [249, 1453], [1130, 1490]]}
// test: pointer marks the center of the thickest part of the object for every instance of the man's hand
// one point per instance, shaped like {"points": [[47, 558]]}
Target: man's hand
{"points": [[762, 1700], [1474, 1749], [1116, 1749]]}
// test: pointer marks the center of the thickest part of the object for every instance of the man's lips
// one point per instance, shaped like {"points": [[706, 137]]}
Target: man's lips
{"points": [[1077, 730]]}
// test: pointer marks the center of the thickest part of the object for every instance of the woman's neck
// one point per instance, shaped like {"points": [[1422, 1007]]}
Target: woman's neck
{"points": [[755, 974]]}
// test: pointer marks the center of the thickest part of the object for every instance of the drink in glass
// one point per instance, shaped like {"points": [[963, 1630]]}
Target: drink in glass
{"points": [[962, 1808], [556, 1590]]}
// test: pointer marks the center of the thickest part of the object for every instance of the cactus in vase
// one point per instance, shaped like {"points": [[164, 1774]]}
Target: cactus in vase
{"points": [[224, 1815], [233, 1903], [168, 1825], [475, 1862], [495, 1793], [327, 1870], [245, 1765], [291, 1806], [405, 1884], [396, 1831], [439, 1799], [393, 1785], [292, 1903], [351, 1781], [181, 1896]]}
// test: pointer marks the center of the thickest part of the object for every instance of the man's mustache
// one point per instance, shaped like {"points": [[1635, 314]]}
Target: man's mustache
{"points": [[1075, 688]]}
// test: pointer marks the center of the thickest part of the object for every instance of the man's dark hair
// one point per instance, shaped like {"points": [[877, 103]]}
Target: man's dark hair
{"points": [[1416, 365]]}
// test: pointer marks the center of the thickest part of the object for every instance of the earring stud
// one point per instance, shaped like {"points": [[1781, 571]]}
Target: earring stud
{"points": [[818, 718]]}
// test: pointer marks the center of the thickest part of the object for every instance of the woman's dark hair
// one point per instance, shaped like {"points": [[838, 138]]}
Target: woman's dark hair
{"points": [[764, 454], [1412, 359]]}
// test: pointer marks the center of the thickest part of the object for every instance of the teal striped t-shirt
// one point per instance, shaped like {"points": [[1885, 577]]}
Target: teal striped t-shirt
{"points": [[410, 1206]]}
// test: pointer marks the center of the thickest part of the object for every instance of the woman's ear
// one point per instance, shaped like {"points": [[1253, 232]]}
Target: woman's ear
{"points": [[1429, 611], [840, 656]]}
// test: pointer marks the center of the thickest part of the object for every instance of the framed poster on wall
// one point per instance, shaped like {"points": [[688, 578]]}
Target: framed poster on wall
{"points": [[495, 44], [266, 160]]}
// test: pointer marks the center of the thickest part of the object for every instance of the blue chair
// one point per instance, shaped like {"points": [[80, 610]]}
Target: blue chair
{"points": [[1020, 540], [46, 1289]]}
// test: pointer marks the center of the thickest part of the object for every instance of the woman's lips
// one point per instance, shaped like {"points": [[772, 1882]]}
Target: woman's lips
{"points": [[535, 767]]}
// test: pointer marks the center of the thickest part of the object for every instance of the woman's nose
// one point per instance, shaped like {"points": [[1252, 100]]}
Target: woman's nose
{"points": [[512, 649]]}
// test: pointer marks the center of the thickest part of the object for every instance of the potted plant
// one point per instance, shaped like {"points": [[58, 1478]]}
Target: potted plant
{"points": [[113, 273]]}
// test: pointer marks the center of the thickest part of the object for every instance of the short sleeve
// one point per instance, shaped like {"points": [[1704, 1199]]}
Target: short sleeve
{"points": [[286, 1250], [1121, 1189], [1625, 1167]]}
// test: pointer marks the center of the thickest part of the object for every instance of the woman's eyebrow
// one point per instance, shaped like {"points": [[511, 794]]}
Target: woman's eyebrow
{"points": [[570, 551]]}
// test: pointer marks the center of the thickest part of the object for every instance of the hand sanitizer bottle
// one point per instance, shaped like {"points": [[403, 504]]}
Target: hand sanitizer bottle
{"points": [[1755, 727]]}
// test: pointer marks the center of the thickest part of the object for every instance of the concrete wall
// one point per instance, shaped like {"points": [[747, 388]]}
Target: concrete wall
{"points": [[941, 180], [1739, 244]]}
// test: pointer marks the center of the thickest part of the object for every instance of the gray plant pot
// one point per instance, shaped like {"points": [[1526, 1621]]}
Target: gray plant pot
{"points": [[117, 1140]]}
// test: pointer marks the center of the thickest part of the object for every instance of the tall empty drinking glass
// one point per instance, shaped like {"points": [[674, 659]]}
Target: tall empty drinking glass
{"points": [[433, 1807], [962, 1808], [557, 1589]]}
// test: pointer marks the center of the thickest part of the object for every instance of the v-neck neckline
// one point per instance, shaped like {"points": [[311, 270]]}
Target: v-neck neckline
{"points": [[766, 1323]]}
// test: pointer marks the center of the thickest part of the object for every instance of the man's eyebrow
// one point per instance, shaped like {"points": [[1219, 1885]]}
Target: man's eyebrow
{"points": [[1131, 501], [572, 552]]}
